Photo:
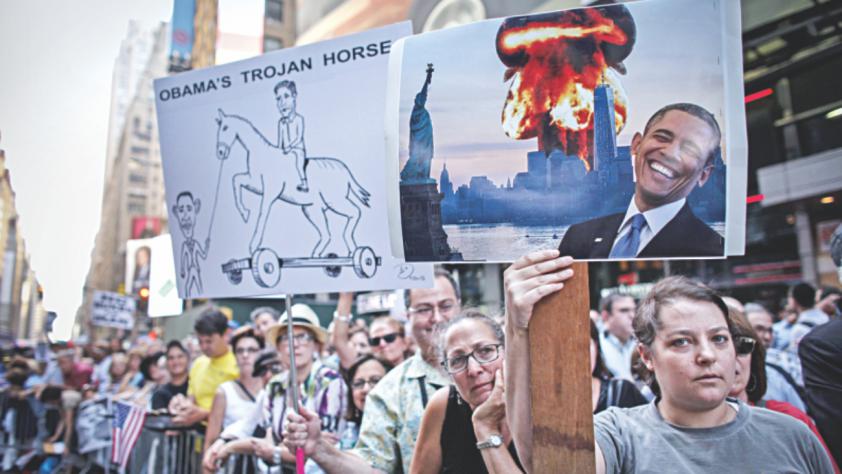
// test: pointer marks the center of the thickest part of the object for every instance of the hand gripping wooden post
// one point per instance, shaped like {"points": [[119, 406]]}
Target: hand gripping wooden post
{"points": [[562, 414]]}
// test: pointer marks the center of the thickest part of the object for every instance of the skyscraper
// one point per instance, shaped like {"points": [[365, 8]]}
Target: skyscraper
{"points": [[134, 185], [604, 129]]}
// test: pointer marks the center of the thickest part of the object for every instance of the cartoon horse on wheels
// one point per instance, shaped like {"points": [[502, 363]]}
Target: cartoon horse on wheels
{"points": [[271, 174]]}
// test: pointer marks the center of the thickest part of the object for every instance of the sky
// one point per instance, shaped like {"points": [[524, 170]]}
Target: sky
{"points": [[56, 60]]}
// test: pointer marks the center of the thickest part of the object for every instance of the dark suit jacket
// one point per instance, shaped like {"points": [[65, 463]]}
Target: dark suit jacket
{"points": [[820, 352], [684, 236]]}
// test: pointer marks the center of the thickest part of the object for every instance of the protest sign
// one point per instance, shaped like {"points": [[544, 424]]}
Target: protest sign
{"points": [[255, 211], [112, 310], [163, 293], [139, 258], [541, 138]]}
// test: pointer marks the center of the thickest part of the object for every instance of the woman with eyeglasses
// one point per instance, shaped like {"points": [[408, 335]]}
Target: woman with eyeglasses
{"points": [[363, 375], [236, 399], [464, 427], [685, 338], [750, 383], [387, 340]]}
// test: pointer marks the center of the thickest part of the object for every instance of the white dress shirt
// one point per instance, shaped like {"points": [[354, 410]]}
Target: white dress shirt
{"points": [[656, 219]]}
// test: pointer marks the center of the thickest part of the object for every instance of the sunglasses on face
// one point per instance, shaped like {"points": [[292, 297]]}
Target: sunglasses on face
{"points": [[274, 368], [389, 338], [744, 345], [360, 383]]}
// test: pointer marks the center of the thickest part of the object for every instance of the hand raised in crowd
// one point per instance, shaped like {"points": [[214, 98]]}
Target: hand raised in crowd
{"points": [[531, 278], [303, 431], [345, 303], [490, 416]]}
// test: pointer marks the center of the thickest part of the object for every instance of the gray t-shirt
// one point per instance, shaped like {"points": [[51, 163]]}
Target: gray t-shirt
{"points": [[757, 440]]}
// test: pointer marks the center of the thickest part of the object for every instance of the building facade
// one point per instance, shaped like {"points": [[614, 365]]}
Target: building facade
{"points": [[133, 194], [21, 311]]}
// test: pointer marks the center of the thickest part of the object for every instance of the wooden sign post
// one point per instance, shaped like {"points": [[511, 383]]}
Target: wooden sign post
{"points": [[562, 414]]}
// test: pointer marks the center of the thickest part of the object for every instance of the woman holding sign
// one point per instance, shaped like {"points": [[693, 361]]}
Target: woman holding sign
{"points": [[686, 340]]}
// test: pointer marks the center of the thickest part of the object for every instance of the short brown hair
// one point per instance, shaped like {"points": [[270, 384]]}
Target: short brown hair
{"points": [[647, 320]]}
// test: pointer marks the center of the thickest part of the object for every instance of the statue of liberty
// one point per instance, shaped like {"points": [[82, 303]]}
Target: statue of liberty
{"points": [[417, 168]]}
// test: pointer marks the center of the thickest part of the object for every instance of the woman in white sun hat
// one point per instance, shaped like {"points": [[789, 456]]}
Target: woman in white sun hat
{"points": [[321, 390]]}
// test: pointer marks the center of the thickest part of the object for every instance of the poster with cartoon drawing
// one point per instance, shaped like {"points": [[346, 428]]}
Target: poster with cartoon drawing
{"points": [[274, 172], [611, 132]]}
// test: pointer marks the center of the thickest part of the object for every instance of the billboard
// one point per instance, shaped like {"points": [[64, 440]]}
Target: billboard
{"points": [[144, 227], [181, 43]]}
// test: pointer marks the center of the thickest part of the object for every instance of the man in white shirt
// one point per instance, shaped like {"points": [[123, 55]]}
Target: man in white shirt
{"points": [[616, 339], [674, 154]]}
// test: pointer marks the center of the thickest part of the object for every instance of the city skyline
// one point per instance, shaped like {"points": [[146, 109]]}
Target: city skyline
{"points": [[468, 71]]}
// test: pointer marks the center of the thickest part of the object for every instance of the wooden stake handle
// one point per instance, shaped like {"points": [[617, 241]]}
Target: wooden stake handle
{"points": [[559, 345]]}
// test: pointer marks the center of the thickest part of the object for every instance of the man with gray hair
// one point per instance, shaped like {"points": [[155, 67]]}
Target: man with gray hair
{"points": [[783, 370], [262, 318]]}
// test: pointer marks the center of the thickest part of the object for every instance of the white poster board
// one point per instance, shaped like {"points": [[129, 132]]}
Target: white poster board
{"points": [[274, 172], [527, 128], [112, 310], [163, 293], [139, 262]]}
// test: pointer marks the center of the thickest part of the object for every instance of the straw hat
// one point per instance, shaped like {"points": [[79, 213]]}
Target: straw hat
{"points": [[302, 316]]}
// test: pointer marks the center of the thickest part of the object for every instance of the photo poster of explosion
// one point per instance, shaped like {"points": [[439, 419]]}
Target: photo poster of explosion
{"points": [[510, 131], [274, 172]]}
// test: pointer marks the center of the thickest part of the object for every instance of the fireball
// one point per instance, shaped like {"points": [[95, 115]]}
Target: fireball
{"points": [[555, 61]]}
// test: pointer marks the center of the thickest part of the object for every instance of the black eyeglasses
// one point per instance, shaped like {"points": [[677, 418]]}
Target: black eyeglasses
{"points": [[389, 338], [360, 383], [483, 355], [744, 345]]}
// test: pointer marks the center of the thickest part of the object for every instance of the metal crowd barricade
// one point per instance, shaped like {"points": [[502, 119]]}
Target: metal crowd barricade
{"points": [[247, 464], [164, 448]]}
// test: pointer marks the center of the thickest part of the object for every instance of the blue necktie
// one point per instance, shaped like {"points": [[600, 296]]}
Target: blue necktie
{"points": [[627, 246]]}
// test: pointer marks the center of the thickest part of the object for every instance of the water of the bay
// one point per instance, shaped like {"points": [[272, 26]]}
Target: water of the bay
{"points": [[507, 242]]}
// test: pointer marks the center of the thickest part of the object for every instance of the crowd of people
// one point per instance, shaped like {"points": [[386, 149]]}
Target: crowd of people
{"points": [[682, 378]]}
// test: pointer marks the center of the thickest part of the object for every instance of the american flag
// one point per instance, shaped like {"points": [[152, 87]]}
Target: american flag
{"points": [[125, 429]]}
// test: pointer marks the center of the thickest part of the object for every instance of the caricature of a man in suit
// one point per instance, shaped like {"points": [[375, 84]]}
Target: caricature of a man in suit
{"points": [[185, 209], [674, 154]]}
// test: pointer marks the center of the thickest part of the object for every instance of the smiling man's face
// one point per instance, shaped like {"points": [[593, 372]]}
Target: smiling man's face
{"points": [[671, 158]]}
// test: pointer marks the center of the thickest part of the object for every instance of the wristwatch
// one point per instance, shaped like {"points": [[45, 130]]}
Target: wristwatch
{"points": [[276, 456], [344, 318], [493, 441]]}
